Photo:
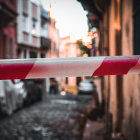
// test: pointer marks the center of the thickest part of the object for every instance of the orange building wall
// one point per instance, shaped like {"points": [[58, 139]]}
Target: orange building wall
{"points": [[68, 49], [55, 40], [112, 52], [131, 83]]}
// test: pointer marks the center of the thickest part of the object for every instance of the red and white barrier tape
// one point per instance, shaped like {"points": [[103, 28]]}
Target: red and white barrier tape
{"points": [[65, 67]]}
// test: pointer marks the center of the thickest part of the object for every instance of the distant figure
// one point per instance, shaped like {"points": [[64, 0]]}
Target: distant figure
{"points": [[95, 96], [97, 111], [53, 86]]}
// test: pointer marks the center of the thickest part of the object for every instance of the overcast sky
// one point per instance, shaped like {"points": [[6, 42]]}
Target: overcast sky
{"points": [[70, 17]]}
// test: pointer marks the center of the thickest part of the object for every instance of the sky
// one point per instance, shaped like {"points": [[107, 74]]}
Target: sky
{"points": [[70, 17]]}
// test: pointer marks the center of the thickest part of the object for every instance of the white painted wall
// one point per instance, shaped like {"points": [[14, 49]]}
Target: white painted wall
{"points": [[20, 27]]}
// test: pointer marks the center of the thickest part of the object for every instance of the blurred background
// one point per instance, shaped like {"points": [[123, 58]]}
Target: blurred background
{"points": [[74, 28]]}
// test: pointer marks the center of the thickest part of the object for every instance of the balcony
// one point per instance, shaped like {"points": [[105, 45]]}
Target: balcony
{"points": [[45, 43], [45, 15], [7, 11], [44, 32]]}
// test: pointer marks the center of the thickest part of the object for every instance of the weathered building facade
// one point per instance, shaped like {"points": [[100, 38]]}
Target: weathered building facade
{"points": [[55, 39], [33, 32], [69, 49], [29, 29], [8, 41], [118, 24]]}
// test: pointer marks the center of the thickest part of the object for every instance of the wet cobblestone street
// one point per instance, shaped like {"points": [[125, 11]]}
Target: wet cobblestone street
{"points": [[55, 118]]}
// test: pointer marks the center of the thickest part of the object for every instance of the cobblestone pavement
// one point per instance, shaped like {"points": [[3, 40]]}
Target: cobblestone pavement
{"points": [[55, 118]]}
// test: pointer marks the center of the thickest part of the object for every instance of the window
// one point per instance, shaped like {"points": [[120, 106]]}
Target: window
{"points": [[34, 27], [34, 40], [25, 23], [116, 9], [12, 1], [25, 37], [6, 48], [34, 10], [136, 27], [66, 80], [33, 54], [42, 55], [44, 30], [25, 53], [25, 6], [12, 47]]}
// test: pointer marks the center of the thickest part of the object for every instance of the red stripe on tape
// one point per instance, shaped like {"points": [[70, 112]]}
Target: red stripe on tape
{"points": [[14, 71], [116, 65], [38, 71]]}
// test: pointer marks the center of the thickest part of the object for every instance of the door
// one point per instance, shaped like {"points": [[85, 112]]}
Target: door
{"points": [[136, 26]]}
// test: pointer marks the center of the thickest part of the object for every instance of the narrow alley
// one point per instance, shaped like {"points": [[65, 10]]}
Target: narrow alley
{"points": [[56, 118]]}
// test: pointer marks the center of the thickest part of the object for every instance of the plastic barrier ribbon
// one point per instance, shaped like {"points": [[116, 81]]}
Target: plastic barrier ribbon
{"points": [[66, 67]]}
